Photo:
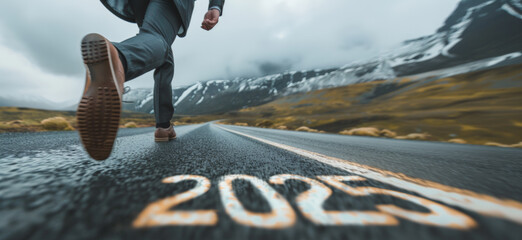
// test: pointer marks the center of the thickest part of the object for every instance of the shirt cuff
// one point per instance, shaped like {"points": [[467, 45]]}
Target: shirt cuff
{"points": [[215, 7]]}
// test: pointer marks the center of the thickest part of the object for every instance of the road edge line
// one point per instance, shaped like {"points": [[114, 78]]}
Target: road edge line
{"points": [[466, 199]]}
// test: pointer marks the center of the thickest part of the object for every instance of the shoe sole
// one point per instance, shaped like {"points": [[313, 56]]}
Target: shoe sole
{"points": [[99, 110], [163, 139]]}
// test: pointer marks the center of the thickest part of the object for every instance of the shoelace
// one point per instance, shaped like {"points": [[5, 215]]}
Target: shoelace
{"points": [[126, 90]]}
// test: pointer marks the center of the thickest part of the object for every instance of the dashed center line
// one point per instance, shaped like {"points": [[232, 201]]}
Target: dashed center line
{"points": [[465, 199]]}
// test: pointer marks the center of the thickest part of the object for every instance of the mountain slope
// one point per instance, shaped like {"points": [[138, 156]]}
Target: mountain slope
{"points": [[478, 107], [477, 35], [477, 29]]}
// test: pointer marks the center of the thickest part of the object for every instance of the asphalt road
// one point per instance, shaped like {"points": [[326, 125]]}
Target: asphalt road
{"points": [[228, 182]]}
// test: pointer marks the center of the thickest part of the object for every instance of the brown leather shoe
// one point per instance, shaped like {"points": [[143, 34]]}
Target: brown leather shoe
{"points": [[100, 108], [164, 134]]}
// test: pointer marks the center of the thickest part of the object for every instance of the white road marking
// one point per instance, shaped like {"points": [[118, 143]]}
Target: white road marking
{"points": [[311, 203], [439, 215], [480, 203], [159, 214], [281, 215]]}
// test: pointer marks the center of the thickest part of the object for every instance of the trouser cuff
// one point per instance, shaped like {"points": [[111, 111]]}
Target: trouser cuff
{"points": [[163, 125]]}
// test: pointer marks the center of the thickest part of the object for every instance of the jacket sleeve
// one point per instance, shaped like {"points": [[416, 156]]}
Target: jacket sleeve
{"points": [[217, 3]]}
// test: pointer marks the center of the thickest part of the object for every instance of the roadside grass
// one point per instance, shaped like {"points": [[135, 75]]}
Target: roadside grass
{"points": [[13, 119], [56, 124], [483, 107]]}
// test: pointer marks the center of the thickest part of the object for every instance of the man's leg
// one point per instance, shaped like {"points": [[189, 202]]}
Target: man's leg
{"points": [[108, 65], [149, 49], [140, 9], [163, 108]]}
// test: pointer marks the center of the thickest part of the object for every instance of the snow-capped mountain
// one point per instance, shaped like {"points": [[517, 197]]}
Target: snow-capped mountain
{"points": [[224, 95], [478, 34], [477, 29]]}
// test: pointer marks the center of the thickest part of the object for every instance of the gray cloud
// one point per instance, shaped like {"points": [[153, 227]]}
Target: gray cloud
{"points": [[253, 38], [45, 38], [267, 68]]}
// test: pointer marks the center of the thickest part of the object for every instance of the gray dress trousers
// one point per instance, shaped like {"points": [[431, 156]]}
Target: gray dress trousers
{"points": [[159, 23]]}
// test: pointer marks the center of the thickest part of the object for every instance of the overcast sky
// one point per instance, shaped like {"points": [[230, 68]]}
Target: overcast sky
{"points": [[40, 40]]}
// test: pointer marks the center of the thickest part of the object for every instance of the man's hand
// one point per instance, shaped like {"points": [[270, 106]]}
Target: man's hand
{"points": [[210, 20]]}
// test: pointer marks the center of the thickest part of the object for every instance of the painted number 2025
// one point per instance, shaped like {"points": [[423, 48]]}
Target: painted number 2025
{"points": [[309, 203]]}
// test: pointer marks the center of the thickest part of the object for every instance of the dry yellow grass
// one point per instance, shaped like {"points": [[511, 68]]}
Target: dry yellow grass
{"points": [[16, 123], [369, 132], [56, 124], [14, 119], [265, 124], [415, 136], [457, 140], [181, 123], [365, 131], [307, 129], [477, 107], [130, 125], [387, 133], [495, 144]]}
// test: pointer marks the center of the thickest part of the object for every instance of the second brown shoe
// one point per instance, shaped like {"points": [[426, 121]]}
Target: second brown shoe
{"points": [[164, 134], [100, 107]]}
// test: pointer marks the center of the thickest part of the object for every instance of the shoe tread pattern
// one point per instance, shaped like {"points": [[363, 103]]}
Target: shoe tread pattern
{"points": [[99, 110]]}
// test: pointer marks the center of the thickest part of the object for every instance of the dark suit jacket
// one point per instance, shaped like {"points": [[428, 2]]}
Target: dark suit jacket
{"points": [[122, 9]]}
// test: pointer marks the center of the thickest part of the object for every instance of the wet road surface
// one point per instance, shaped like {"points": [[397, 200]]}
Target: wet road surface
{"points": [[233, 182]]}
